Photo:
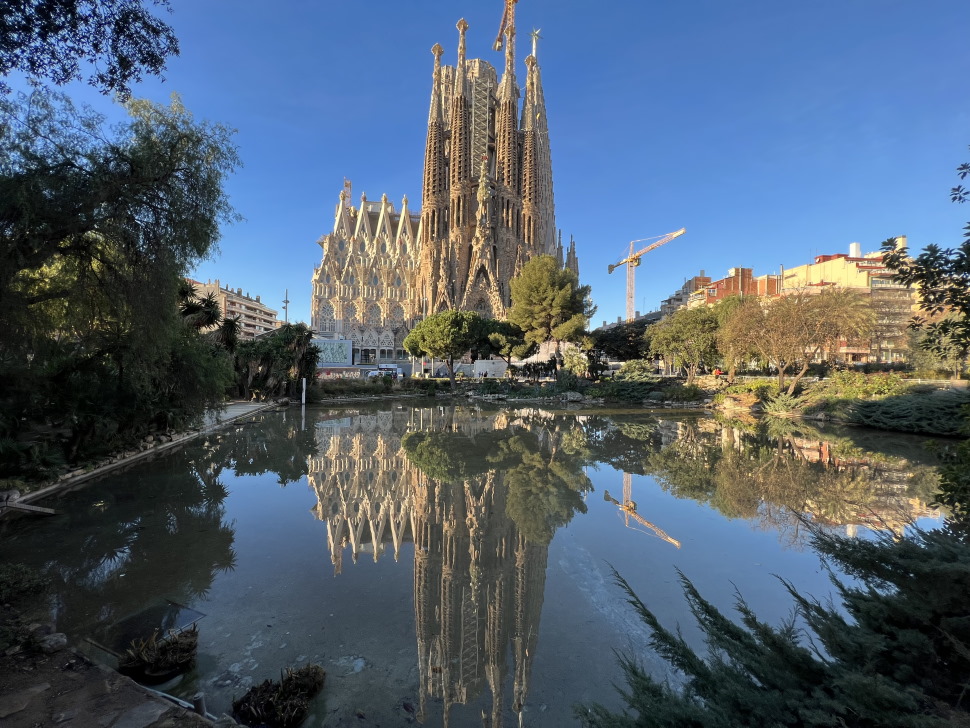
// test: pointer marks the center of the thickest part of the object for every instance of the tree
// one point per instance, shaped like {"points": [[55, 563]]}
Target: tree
{"points": [[733, 342], [447, 335], [507, 341], [942, 276], [98, 228], [50, 39], [548, 303], [622, 342], [688, 338], [272, 365], [793, 331]]}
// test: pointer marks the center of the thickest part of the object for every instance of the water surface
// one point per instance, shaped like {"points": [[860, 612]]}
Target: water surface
{"points": [[454, 563]]}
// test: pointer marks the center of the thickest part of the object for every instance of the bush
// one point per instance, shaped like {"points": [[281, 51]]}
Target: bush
{"points": [[618, 390], [782, 404], [682, 393], [18, 581], [941, 413], [762, 390], [638, 370]]}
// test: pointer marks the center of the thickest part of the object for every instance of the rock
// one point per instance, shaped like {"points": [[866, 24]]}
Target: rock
{"points": [[53, 643], [573, 397]]}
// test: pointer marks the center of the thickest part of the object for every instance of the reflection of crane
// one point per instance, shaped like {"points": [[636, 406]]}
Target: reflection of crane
{"points": [[629, 509], [633, 260], [508, 17]]}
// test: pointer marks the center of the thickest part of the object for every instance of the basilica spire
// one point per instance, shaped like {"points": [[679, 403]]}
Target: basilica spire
{"points": [[434, 192], [537, 197], [460, 163]]}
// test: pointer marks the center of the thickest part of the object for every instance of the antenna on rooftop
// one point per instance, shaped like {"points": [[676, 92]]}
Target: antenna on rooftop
{"points": [[286, 306]]}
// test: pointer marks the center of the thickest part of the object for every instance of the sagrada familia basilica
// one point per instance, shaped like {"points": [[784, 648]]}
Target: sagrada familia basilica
{"points": [[487, 208]]}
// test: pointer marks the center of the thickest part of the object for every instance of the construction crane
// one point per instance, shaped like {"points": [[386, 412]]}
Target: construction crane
{"points": [[633, 260], [629, 510], [508, 16]]}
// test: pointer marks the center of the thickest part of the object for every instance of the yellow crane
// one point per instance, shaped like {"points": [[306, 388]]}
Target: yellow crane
{"points": [[633, 260], [508, 17], [629, 510]]}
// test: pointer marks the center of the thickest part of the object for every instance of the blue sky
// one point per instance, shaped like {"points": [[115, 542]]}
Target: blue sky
{"points": [[772, 131]]}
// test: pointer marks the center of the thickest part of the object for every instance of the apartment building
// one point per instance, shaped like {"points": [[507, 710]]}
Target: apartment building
{"points": [[255, 317], [737, 282]]}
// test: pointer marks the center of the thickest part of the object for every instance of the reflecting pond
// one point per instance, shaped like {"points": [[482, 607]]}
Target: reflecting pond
{"points": [[451, 564]]}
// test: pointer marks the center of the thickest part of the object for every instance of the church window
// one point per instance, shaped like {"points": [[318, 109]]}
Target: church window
{"points": [[384, 247], [363, 247], [374, 281], [341, 245], [373, 315], [397, 282], [404, 249]]}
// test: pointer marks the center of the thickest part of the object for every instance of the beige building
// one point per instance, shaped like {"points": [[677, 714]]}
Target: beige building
{"points": [[255, 317], [893, 304], [487, 208]]}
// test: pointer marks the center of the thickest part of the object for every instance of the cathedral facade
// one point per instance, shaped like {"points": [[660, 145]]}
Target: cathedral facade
{"points": [[487, 208]]}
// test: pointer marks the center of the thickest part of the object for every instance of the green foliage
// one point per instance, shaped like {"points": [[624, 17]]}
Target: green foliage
{"points": [[681, 393], [782, 404], [545, 482], [505, 340], [623, 342], [53, 40], [447, 335], [857, 385], [545, 490], [763, 390], [688, 338], [638, 370], [446, 456], [943, 277], [941, 413], [548, 303], [274, 365], [100, 227], [758, 674], [617, 390], [18, 581]]}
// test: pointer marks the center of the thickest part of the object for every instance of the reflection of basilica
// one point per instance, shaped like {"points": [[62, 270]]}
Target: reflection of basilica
{"points": [[478, 583]]}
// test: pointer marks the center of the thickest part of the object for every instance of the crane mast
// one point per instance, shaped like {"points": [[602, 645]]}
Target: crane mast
{"points": [[633, 260]]}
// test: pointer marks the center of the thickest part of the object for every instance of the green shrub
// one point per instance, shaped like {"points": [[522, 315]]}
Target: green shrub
{"points": [[617, 390], [782, 404], [682, 393], [762, 389], [18, 581], [940, 413], [638, 370]]}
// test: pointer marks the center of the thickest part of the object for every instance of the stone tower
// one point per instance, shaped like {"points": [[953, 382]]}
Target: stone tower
{"points": [[487, 203], [486, 209]]}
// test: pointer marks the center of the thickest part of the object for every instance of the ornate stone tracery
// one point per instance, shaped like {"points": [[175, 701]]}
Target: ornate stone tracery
{"points": [[487, 207]]}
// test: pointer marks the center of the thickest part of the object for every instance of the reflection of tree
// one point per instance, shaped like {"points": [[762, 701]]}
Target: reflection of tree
{"points": [[787, 470], [545, 487], [159, 537], [448, 456], [541, 465], [279, 445]]}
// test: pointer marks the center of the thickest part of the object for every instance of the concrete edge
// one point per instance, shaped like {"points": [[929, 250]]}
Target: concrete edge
{"points": [[80, 478]]}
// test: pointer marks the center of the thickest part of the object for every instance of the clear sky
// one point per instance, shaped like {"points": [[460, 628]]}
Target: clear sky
{"points": [[772, 131]]}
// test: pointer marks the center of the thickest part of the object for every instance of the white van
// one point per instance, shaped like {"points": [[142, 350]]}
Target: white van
{"points": [[387, 370]]}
